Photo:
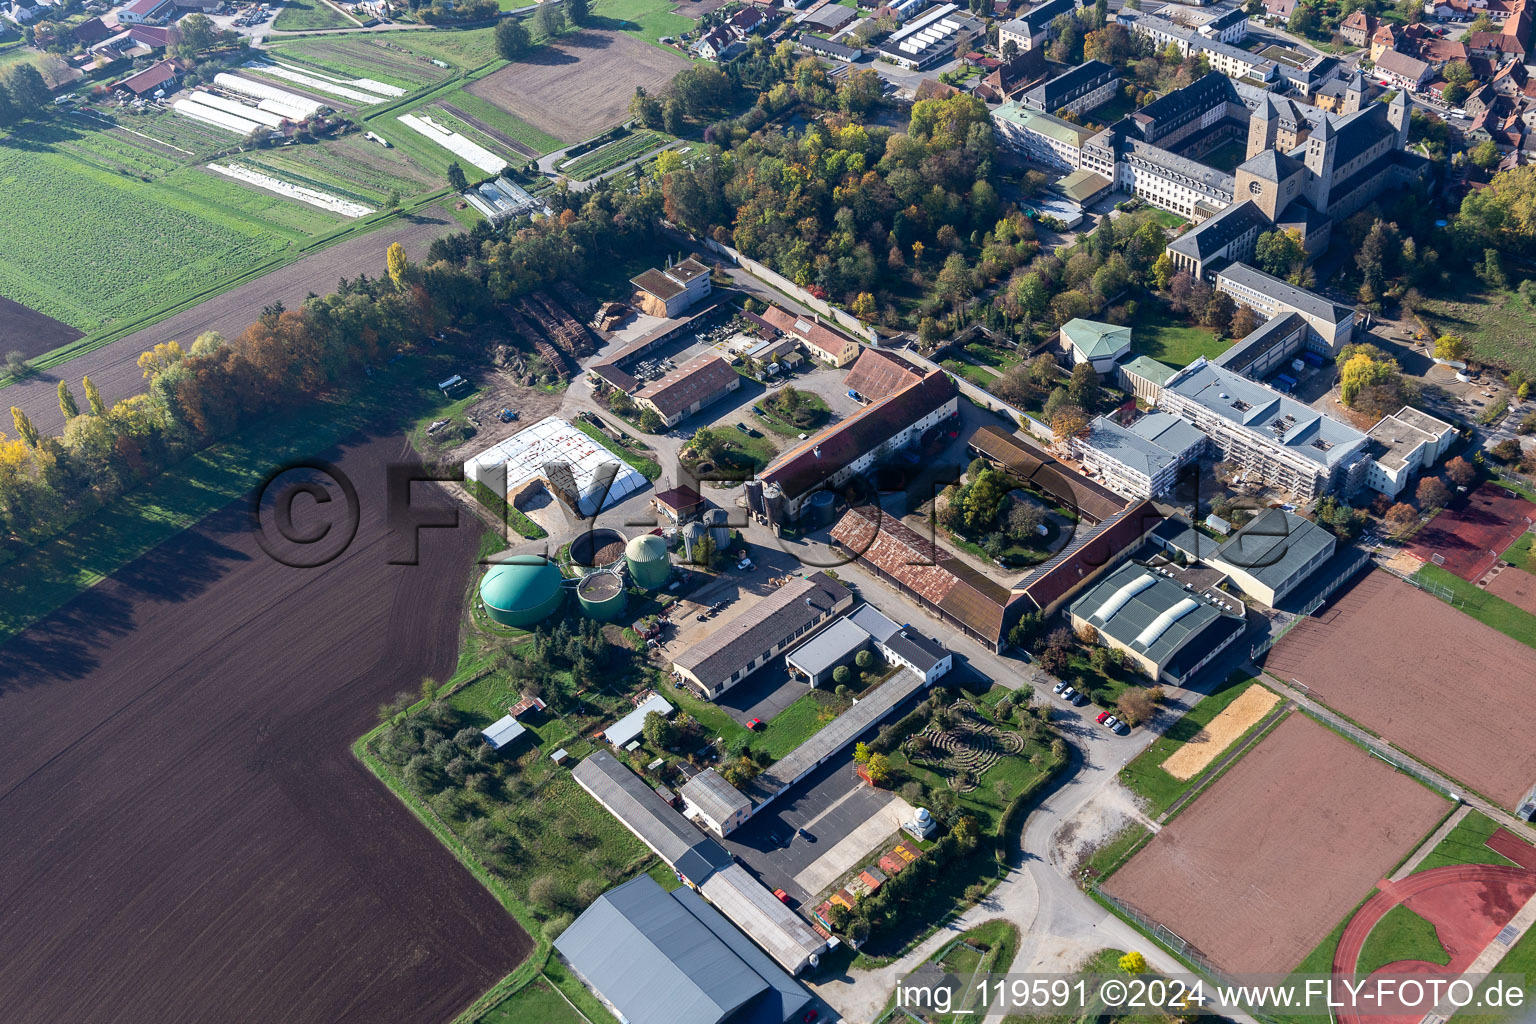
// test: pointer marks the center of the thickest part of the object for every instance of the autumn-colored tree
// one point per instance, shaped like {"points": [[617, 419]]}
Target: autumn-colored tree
{"points": [[1461, 472], [1451, 347], [1087, 634], [1133, 963], [1400, 519], [1136, 705], [1068, 421], [67, 404], [1244, 322], [24, 427], [1361, 371], [93, 397], [398, 264], [1432, 493], [861, 753], [878, 768], [160, 358]]}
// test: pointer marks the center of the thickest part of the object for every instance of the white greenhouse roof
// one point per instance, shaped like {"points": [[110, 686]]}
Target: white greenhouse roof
{"points": [[544, 450]]}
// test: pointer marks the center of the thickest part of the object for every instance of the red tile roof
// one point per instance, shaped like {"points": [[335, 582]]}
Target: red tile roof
{"points": [[680, 498], [1091, 551], [150, 79], [809, 330], [878, 374]]}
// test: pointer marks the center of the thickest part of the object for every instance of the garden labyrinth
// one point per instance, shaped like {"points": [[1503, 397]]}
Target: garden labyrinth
{"points": [[965, 750]]}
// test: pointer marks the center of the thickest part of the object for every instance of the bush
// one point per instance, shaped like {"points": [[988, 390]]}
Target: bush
{"points": [[546, 893], [864, 659], [555, 925], [841, 675]]}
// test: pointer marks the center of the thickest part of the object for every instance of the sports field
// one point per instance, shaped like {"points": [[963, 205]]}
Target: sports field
{"points": [[1466, 538], [1265, 863], [576, 87], [1516, 586], [1454, 693]]}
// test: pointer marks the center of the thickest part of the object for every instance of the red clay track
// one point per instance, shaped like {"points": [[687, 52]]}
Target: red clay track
{"points": [[1468, 904], [1471, 533], [187, 836]]}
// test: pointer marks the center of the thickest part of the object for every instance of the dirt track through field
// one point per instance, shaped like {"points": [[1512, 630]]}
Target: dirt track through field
{"points": [[114, 368], [188, 836], [1266, 862], [1430, 679], [581, 85]]}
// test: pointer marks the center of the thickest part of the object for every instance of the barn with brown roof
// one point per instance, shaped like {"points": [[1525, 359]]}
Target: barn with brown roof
{"points": [[156, 76], [689, 388]]}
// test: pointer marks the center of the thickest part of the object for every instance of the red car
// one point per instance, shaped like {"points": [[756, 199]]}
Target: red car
{"points": [[755, 724], [1102, 715], [782, 895]]}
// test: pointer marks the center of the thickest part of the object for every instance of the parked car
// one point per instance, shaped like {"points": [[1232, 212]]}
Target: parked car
{"points": [[745, 563], [743, 428], [1078, 699], [1103, 715], [1060, 685], [1067, 693], [1117, 726], [805, 835], [755, 724], [782, 895], [811, 1016]]}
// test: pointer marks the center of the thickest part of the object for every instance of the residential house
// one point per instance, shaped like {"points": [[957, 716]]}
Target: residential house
{"points": [[1358, 28], [161, 76], [822, 342], [1402, 71], [146, 12]]}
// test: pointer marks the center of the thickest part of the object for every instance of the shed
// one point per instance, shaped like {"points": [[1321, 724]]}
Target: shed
{"points": [[503, 732], [628, 728]]}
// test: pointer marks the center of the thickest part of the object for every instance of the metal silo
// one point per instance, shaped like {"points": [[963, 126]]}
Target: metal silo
{"points": [[602, 596], [649, 564]]}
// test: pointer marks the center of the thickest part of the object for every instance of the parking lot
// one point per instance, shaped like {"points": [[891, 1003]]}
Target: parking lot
{"points": [[832, 805]]}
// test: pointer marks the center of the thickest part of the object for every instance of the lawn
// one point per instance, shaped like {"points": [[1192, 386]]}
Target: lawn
{"points": [[1157, 333], [1107, 858], [975, 374], [1497, 324], [648, 19], [1483, 606], [396, 58], [811, 414], [1226, 156], [606, 157], [1465, 844], [308, 15], [537, 1002], [1522, 553], [1401, 935], [90, 246], [797, 723], [1145, 775], [1111, 111]]}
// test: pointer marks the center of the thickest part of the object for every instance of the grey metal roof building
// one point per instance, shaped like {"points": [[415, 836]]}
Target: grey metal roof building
{"points": [[1169, 631], [1270, 345], [1230, 234], [669, 958], [758, 634], [1067, 88], [781, 932], [836, 645], [1273, 554], [690, 852], [1307, 303], [722, 806], [1143, 459]]}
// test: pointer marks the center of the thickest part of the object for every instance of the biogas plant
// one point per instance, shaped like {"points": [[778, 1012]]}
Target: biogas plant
{"points": [[527, 589]]}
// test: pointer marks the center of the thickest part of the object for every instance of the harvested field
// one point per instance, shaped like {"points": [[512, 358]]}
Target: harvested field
{"points": [[1516, 586], [1454, 693], [189, 837], [1263, 865], [29, 332], [557, 91], [114, 368], [1208, 744], [1469, 534]]}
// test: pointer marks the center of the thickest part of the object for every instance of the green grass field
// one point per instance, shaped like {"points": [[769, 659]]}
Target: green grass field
{"points": [[1158, 334], [1401, 935], [308, 15], [1522, 552], [648, 19], [797, 723], [1483, 606], [1465, 844], [1497, 324], [89, 246], [537, 1002], [1145, 775]]}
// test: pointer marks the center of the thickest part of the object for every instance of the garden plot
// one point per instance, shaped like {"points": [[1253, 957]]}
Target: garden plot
{"points": [[455, 143], [317, 83], [314, 197], [300, 108]]}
